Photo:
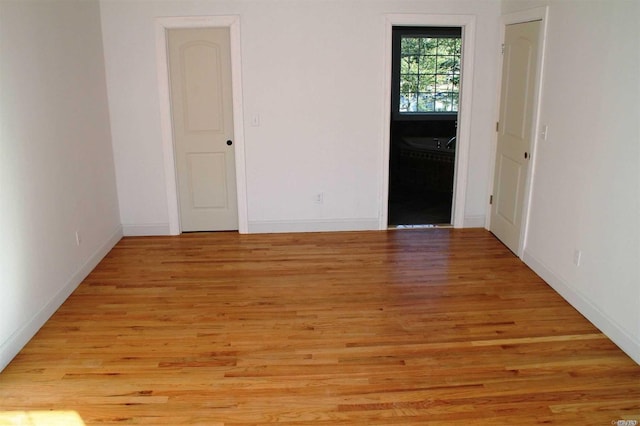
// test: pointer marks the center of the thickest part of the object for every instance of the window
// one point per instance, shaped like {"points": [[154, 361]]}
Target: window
{"points": [[426, 73]]}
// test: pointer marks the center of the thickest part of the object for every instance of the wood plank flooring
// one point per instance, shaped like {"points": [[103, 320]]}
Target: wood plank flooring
{"points": [[411, 327]]}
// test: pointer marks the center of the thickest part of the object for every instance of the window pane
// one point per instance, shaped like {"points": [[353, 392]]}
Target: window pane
{"points": [[444, 83], [408, 102], [410, 45], [429, 74], [448, 46], [427, 64], [443, 102], [409, 64], [455, 79], [458, 47], [428, 45], [426, 83], [426, 102], [454, 101], [447, 64], [408, 83]]}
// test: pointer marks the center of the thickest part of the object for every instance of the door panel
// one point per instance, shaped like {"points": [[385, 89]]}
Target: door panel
{"points": [[201, 104], [203, 169], [201, 87], [519, 56], [507, 205], [515, 129]]}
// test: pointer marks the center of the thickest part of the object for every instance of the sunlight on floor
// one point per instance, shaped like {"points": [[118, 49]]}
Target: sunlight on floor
{"points": [[40, 418]]}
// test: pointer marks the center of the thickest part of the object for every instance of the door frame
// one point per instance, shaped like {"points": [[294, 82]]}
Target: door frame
{"points": [[467, 23], [227, 21], [536, 14]]}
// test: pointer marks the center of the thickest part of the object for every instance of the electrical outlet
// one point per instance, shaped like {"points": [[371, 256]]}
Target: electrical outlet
{"points": [[319, 198], [78, 239]]}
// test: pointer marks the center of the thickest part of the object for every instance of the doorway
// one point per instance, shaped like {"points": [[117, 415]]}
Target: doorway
{"points": [[425, 94], [163, 25], [467, 23]]}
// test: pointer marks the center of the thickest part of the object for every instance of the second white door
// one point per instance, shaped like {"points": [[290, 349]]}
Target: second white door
{"points": [[519, 69], [202, 115]]}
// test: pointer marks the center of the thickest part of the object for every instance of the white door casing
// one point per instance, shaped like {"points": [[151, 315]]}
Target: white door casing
{"points": [[516, 129], [202, 118], [231, 22]]}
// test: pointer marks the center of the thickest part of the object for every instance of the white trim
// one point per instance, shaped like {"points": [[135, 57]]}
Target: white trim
{"points": [[537, 14], [334, 225], [233, 23], [476, 221], [467, 22], [522, 16], [586, 307], [14, 344], [146, 229]]}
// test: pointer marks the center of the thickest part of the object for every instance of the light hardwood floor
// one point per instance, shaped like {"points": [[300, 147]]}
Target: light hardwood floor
{"points": [[436, 326]]}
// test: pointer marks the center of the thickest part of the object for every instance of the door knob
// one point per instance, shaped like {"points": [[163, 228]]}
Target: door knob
{"points": [[229, 142]]}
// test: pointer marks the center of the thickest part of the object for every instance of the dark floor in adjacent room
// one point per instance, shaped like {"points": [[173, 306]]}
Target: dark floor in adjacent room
{"points": [[415, 207]]}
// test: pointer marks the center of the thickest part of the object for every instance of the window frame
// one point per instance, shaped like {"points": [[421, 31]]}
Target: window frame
{"points": [[399, 32]]}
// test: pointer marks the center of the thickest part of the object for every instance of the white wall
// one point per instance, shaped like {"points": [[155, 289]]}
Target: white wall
{"points": [[56, 163], [586, 192], [313, 70]]}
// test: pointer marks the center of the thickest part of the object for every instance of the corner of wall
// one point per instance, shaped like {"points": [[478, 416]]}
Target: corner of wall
{"points": [[21, 337]]}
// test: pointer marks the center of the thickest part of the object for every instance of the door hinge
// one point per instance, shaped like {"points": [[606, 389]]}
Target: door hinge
{"points": [[490, 199], [497, 126], [503, 48]]}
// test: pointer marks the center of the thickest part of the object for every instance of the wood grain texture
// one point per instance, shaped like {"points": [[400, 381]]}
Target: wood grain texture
{"points": [[424, 327]]}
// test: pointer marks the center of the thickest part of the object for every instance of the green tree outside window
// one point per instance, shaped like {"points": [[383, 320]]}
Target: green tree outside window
{"points": [[429, 74]]}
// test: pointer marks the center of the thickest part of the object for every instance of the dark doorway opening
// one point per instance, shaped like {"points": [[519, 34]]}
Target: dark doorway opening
{"points": [[423, 128]]}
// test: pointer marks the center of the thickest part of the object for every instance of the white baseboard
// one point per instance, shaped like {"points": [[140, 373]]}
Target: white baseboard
{"points": [[474, 221], [12, 346], [626, 342], [145, 229], [277, 226], [284, 226]]}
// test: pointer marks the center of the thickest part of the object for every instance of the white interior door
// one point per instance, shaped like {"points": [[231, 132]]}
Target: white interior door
{"points": [[519, 68], [202, 117]]}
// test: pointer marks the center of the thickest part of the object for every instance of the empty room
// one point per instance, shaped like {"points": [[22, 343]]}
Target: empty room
{"points": [[237, 212]]}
